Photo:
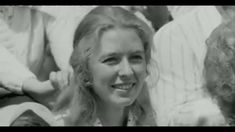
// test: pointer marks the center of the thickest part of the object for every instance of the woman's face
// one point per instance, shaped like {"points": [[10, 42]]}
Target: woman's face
{"points": [[118, 67]]}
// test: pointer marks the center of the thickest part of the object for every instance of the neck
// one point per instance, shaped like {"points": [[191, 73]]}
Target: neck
{"points": [[110, 115], [227, 13]]}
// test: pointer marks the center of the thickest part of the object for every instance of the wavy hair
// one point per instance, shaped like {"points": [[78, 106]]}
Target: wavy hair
{"points": [[80, 98], [219, 67]]}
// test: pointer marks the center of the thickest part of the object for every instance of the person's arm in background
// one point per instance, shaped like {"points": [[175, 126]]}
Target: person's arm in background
{"points": [[19, 80], [12, 72], [59, 33], [16, 77]]}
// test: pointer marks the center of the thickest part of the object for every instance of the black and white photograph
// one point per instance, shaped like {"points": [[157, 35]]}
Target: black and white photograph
{"points": [[117, 65]]}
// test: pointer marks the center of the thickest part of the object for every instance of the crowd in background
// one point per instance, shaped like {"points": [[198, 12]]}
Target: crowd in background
{"points": [[117, 65]]}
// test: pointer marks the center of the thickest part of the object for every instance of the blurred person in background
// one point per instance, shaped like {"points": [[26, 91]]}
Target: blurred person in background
{"points": [[179, 97], [28, 38], [180, 10], [219, 68]]}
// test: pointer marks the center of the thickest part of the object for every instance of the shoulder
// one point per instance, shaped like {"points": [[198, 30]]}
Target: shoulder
{"points": [[194, 23]]}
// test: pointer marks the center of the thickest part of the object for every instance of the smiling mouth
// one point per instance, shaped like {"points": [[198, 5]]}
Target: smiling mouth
{"points": [[123, 86]]}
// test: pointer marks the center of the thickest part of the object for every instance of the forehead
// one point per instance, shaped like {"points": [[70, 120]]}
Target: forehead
{"points": [[120, 40]]}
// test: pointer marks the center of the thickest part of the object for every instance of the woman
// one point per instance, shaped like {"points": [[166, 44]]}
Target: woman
{"points": [[110, 58], [220, 68]]}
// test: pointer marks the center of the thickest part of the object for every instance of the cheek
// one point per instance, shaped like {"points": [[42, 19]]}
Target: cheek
{"points": [[103, 75], [140, 71]]}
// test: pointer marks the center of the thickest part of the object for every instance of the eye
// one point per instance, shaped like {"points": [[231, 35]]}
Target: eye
{"points": [[136, 58], [110, 61]]}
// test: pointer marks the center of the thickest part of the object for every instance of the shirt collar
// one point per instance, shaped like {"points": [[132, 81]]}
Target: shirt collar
{"points": [[130, 122]]}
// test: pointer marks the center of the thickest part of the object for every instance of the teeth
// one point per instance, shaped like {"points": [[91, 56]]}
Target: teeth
{"points": [[123, 86]]}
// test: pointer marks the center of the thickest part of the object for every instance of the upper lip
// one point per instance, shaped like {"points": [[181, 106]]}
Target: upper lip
{"points": [[118, 84], [123, 84]]}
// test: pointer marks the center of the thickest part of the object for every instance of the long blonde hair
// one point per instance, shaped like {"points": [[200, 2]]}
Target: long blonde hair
{"points": [[80, 98]]}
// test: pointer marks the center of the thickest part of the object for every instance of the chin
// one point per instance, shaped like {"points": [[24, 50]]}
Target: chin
{"points": [[124, 101]]}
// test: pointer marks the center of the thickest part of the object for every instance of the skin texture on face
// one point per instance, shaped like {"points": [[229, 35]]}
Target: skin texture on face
{"points": [[118, 67]]}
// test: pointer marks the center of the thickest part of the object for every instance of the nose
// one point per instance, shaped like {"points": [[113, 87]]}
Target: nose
{"points": [[125, 70]]}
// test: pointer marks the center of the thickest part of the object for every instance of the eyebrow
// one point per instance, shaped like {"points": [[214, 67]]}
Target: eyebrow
{"points": [[108, 55], [138, 52], [116, 54]]}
